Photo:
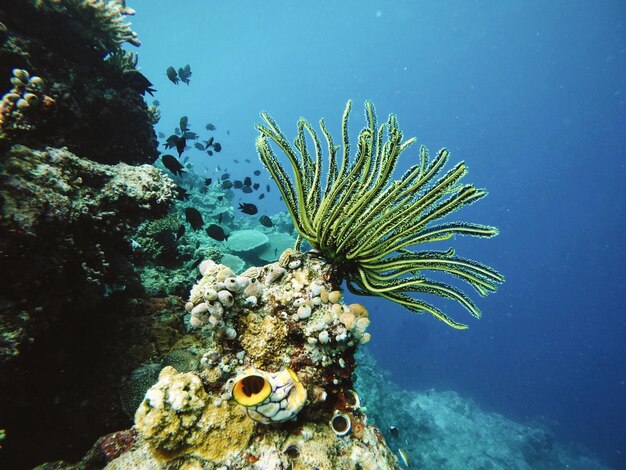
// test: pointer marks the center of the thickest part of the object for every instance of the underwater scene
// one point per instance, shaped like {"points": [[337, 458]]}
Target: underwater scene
{"points": [[312, 235]]}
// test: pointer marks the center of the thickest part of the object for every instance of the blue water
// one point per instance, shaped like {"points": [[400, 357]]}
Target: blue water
{"points": [[531, 94]]}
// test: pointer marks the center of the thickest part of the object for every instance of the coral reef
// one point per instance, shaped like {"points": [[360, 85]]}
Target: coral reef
{"points": [[65, 43], [443, 431], [64, 222], [25, 104], [100, 22], [278, 348]]}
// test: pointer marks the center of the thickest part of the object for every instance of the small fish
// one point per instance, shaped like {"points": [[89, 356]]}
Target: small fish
{"points": [[247, 160], [208, 143], [267, 188], [171, 74], [171, 163], [181, 145], [185, 160], [404, 457], [208, 181], [248, 208], [217, 146], [235, 160], [184, 122], [196, 263], [216, 232], [219, 217], [227, 131], [171, 141], [180, 232], [247, 181], [237, 184], [177, 131], [246, 189], [394, 431], [261, 196], [161, 135], [209, 152], [227, 184], [266, 221], [255, 186], [194, 218], [181, 194], [220, 198], [190, 135], [256, 172], [199, 146], [225, 176], [210, 127], [184, 73]]}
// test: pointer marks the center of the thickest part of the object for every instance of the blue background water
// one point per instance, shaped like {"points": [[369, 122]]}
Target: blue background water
{"points": [[531, 94]]}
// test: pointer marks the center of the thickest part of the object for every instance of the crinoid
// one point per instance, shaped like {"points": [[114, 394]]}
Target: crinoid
{"points": [[366, 224]]}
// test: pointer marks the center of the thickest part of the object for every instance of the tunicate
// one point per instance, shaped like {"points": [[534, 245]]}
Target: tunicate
{"points": [[226, 298], [304, 312]]}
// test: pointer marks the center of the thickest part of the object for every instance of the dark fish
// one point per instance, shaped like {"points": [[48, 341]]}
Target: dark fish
{"points": [[247, 189], [161, 135], [184, 73], [208, 181], [177, 131], [247, 181], [190, 135], [394, 431], [248, 208], [181, 194], [199, 146], [196, 263], [235, 160], [156, 103], [266, 221], [227, 184], [194, 218], [216, 232], [208, 143], [209, 152], [210, 127], [256, 172], [180, 232], [184, 121], [219, 217], [220, 198], [247, 160], [227, 131], [185, 160], [217, 146], [181, 145], [225, 176], [138, 82], [261, 196], [171, 74], [267, 188], [237, 184], [255, 186], [171, 141], [170, 162]]}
